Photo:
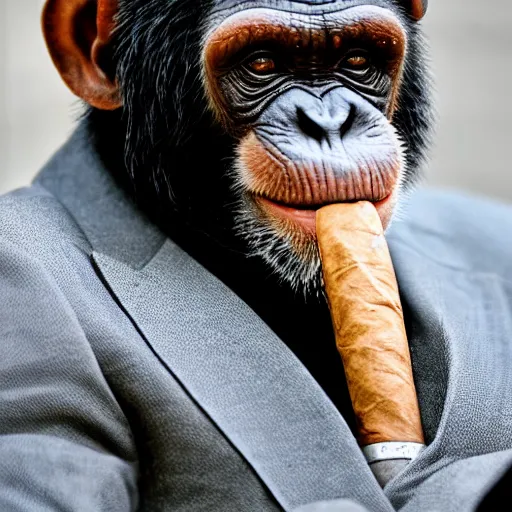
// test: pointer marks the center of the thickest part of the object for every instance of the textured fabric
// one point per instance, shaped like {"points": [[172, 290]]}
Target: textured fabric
{"points": [[332, 506], [132, 379], [247, 381]]}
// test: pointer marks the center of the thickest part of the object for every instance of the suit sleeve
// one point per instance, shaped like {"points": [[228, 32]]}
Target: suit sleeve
{"points": [[64, 441]]}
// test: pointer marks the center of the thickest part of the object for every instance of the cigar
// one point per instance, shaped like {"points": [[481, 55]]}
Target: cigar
{"points": [[366, 312]]}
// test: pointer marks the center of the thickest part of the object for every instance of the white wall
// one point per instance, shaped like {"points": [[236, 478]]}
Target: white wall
{"points": [[472, 55], [37, 111], [472, 47]]}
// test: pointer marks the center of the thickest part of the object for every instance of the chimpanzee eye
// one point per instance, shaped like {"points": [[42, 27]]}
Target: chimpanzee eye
{"points": [[262, 65], [356, 60]]}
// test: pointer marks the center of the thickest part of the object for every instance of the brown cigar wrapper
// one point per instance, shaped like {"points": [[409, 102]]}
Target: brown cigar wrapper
{"points": [[367, 316]]}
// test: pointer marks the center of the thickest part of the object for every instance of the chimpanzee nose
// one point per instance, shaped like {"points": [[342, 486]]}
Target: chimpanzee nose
{"points": [[325, 121], [312, 123]]}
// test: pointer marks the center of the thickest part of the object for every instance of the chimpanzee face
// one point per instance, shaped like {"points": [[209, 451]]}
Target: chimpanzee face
{"points": [[289, 105]]}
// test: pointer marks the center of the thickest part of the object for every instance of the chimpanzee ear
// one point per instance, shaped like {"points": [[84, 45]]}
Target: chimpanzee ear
{"points": [[416, 8], [78, 36]]}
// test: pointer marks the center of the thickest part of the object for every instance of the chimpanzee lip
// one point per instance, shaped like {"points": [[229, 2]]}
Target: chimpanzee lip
{"points": [[317, 206], [304, 216]]}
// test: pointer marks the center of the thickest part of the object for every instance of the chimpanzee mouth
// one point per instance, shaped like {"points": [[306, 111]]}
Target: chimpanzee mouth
{"points": [[303, 216]]}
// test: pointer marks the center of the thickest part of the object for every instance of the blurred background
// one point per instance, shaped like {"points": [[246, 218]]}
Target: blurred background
{"points": [[471, 52]]}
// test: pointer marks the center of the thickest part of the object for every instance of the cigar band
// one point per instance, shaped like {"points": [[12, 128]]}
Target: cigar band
{"points": [[391, 451]]}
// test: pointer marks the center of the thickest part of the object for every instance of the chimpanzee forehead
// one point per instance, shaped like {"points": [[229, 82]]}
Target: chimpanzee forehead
{"points": [[222, 9], [296, 6]]}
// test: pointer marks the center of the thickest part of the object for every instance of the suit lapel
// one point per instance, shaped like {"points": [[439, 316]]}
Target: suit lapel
{"points": [[244, 378]]}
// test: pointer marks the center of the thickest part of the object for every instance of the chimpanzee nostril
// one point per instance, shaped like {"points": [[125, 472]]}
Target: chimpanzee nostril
{"points": [[328, 127], [310, 127]]}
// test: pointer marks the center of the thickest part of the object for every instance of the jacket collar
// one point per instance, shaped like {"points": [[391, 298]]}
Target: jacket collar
{"points": [[114, 226]]}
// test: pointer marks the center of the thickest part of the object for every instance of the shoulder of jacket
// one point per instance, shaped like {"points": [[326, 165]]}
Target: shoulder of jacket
{"points": [[31, 216], [457, 229]]}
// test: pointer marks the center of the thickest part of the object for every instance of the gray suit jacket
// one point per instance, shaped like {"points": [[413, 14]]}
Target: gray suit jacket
{"points": [[131, 378]]}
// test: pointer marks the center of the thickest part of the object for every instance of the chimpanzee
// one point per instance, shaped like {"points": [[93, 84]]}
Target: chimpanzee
{"points": [[233, 122], [169, 346]]}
